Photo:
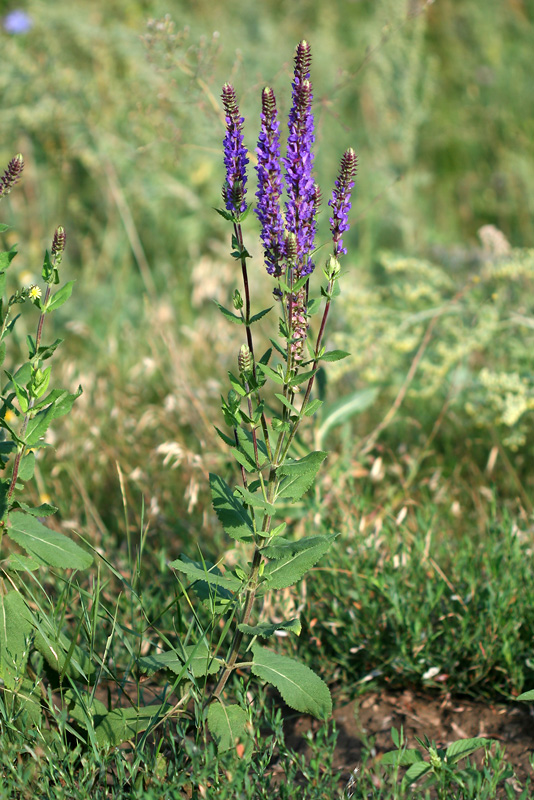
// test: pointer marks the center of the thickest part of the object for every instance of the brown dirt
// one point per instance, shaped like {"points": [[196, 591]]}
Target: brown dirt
{"points": [[442, 719]]}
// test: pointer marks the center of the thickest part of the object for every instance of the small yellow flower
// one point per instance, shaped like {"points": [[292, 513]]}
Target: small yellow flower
{"points": [[34, 292]]}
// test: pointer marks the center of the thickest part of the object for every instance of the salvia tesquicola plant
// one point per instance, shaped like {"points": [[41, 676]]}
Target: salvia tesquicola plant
{"points": [[29, 405], [270, 396]]}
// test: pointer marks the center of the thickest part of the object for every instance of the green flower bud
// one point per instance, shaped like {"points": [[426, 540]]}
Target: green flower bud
{"points": [[237, 300], [244, 360], [332, 268]]}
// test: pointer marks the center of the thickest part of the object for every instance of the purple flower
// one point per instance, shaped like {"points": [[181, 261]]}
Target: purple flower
{"points": [[17, 21], [235, 154], [340, 202], [270, 185], [11, 175], [302, 203]]}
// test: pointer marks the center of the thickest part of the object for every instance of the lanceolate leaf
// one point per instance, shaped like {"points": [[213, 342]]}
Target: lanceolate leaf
{"points": [[298, 476], [288, 569], [463, 748], [197, 574], [45, 545], [259, 315], [230, 510], [265, 629], [334, 355], [195, 657], [227, 724], [301, 688], [60, 297], [16, 625]]}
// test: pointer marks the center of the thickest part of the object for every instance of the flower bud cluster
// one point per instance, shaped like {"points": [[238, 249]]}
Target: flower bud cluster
{"points": [[11, 175]]}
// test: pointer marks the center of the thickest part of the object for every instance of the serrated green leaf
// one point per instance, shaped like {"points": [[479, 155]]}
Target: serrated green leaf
{"points": [[300, 688], [292, 562], [44, 510], [230, 510], [415, 772], [464, 747], [197, 574], [298, 476], [38, 426], [60, 297], [216, 597], [227, 724], [125, 723], [45, 545], [270, 373], [266, 629], [256, 500], [334, 355], [21, 563], [259, 315], [196, 658], [16, 625], [229, 314]]}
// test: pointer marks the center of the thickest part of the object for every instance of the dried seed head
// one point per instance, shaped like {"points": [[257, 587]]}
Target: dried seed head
{"points": [[12, 174]]}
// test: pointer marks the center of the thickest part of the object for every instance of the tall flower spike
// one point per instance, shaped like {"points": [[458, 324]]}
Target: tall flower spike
{"points": [[58, 245], [340, 202], [270, 185], [301, 206], [11, 175], [235, 154]]}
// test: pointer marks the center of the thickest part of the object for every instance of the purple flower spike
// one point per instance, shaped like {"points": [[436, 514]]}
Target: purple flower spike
{"points": [[11, 175], [302, 204], [340, 202], [235, 154], [270, 185]]}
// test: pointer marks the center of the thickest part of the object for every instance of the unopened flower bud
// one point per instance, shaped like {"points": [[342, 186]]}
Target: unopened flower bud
{"points": [[244, 360], [291, 246], [332, 268], [237, 300], [58, 245], [11, 175]]}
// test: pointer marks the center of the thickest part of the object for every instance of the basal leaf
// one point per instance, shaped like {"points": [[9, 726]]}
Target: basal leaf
{"points": [[125, 723], [16, 625], [196, 658], [197, 574], [265, 629], [45, 545], [288, 569], [228, 725], [298, 476], [230, 510], [301, 688]]}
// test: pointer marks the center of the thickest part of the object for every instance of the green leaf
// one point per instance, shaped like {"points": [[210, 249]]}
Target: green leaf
{"points": [[465, 747], [265, 629], [345, 408], [215, 597], [196, 658], [45, 545], [44, 510], [198, 574], [20, 391], [4, 227], [16, 625], [2, 352], [246, 445], [125, 723], [259, 315], [300, 688], [38, 426], [270, 373], [62, 654], [293, 559], [529, 696], [314, 305], [403, 759], [299, 475], [228, 725], [7, 257], [60, 297], [47, 350], [312, 407], [27, 467], [285, 402], [229, 314], [301, 377], [230, 511], [415, 772], [256, 500], [225, 438], [334, 355]]}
